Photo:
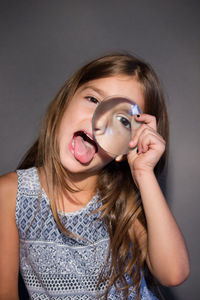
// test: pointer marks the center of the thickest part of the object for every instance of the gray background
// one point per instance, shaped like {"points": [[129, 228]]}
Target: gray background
{"points": [[42, 42]]}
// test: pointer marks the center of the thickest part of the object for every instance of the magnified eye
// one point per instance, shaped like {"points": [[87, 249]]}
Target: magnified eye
{"points": [[124, 121]]}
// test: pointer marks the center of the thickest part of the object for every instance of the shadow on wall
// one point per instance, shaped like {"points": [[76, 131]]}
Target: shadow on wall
{"points": [[163, 181], [167, 293]]}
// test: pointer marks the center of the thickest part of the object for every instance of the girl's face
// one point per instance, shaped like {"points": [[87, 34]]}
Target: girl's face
{"points": [[78, 151]]}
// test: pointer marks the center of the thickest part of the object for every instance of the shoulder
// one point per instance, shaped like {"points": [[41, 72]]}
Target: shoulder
{"points": [[8, 192], [8, 184], [8, 181], [28, 181], [9, 238]]}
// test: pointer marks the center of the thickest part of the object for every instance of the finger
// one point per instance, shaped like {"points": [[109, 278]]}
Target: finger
{"points": [[147, 119], [147, 131], [150, 141], [143, 129]]}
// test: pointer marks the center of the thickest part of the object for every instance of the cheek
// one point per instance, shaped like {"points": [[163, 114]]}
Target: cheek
{"points": [[65, 125]]}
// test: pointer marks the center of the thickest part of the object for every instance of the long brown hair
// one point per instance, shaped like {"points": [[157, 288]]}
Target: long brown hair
{"points": [[121, 204]]}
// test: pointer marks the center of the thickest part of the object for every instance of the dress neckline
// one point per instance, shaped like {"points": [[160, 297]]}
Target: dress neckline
{"points": [[44, 195]]}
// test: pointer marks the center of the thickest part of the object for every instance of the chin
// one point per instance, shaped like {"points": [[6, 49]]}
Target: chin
{"points": [[76, 167]]}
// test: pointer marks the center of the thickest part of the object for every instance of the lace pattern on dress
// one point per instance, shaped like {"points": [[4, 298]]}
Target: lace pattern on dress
{"points": [[56, 266]]}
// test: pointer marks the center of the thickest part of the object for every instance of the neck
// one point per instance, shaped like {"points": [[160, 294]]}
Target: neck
{"points": [[83, 182], [71, 201]]}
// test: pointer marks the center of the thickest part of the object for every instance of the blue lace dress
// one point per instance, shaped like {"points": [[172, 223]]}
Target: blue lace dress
{"points": [[53, 265]]}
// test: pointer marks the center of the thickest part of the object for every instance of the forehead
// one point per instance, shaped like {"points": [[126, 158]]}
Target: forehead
{"points": [[126, 86]]}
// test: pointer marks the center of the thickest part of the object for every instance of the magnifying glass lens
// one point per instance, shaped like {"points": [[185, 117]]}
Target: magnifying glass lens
{"points": [[114, 125]]}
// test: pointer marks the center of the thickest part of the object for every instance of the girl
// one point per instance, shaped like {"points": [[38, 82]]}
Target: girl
{"points": [[81, 224]]}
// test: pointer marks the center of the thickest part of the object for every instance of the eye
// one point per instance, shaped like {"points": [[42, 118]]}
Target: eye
{"points": [[92, 99], [124, 121]]}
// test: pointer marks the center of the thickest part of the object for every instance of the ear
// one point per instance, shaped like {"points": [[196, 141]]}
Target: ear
{"points": [[120, 158]]}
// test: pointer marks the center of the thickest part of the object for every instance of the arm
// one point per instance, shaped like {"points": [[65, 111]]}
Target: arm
{"points": [[9, 240], [167, 256]]}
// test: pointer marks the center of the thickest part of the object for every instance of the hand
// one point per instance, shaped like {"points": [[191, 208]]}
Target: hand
{"points": [[150, 145]]}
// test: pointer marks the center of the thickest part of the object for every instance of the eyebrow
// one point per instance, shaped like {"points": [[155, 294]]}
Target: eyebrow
{"points": [[95, 89]]}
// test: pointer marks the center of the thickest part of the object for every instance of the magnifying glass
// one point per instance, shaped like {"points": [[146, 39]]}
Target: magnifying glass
{"points": [[113, 124]]}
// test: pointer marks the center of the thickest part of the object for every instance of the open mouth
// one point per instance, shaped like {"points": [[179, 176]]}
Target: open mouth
{"points": [[84, 147], [85, 136]]}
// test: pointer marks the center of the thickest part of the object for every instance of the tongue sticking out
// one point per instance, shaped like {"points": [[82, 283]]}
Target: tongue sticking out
{"points": [[83, 150]]}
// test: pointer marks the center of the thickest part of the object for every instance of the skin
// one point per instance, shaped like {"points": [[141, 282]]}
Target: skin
{"points": [[9, 239], [84, 104], [114, 125], [167, 256]]}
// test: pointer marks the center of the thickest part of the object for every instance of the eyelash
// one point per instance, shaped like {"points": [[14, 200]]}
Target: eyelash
{"points": [[92, 99]]}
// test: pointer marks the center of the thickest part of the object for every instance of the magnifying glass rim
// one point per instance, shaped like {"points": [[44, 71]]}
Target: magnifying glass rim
{"points": [[128, 100]]}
